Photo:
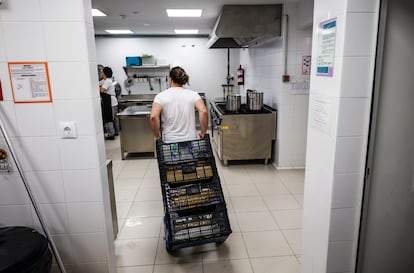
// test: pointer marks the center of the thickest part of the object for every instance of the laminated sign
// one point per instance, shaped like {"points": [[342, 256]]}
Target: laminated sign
{"points": [[326, 48], [30, 82]]}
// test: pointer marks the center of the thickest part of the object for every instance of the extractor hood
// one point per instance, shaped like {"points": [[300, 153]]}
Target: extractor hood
{"points": [[245, 25]]}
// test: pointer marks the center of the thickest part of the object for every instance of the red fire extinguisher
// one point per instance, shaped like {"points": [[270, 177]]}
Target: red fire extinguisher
{"points": [[240, 75]]}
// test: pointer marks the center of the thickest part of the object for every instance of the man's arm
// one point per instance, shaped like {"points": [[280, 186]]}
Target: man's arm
{"points": [[155, 119], [203, 116]]}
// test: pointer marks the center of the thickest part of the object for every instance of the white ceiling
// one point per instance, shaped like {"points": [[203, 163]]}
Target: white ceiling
{"points": [[135, 14]]}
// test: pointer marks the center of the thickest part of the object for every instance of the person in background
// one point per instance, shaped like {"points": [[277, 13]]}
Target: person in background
{"points": [[107, 91], [175, 107]]}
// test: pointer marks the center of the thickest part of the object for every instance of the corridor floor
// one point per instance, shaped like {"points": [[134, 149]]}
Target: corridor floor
{"points": [[264, 205]]}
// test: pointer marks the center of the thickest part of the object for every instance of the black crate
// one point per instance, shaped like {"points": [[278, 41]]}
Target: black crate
{"points": [[192, 230], [185, 151], [190, 172], [192, 197]]}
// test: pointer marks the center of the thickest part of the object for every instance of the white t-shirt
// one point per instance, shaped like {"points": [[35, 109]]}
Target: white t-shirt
{"points": [[178, 114], [110, 90]]}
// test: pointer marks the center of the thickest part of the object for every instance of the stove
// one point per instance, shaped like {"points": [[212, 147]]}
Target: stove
{"points": [[243, 134]]}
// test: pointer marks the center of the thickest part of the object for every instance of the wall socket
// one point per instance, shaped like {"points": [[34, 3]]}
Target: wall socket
{"points": [[67, 129]]}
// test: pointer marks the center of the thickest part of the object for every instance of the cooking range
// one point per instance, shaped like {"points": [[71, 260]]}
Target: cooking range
{"points": [[243, 134]]}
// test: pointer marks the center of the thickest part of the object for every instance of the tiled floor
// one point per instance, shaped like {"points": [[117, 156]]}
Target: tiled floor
{"points": [[265, 211]]}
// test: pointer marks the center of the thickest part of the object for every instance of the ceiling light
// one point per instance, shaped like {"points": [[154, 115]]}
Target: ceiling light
{"points": [[97, 12], [119, 31], [184, 12], [186, 31]]}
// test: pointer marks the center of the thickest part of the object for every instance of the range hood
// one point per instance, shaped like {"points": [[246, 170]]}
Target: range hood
{"points": [[245, 25]]}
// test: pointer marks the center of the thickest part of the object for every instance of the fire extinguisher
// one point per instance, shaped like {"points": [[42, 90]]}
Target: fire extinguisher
{"points": [[240, 75]]}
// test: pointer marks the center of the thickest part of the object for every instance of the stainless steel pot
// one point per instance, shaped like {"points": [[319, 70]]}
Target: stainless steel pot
{"points": [[254, 100], [233, 103]]}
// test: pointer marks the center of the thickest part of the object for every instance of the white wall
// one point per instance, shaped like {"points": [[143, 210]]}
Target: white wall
{"points": [[336, 152], [207, 68], [264, 67], [68, 176]]}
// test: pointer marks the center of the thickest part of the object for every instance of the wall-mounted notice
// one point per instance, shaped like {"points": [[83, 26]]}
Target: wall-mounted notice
{"points": [[321, 113], [326, 48], [30, 82], [306, 65]]}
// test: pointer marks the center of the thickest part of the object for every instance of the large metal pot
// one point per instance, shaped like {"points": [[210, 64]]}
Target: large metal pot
{"points": [[233, 103], [254, 101]]}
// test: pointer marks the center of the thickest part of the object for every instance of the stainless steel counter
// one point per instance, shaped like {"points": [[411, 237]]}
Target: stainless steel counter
{"points": [[136, 134]]}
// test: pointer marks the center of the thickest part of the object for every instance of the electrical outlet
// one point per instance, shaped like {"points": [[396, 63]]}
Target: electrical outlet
{"points": [[67, 129]]}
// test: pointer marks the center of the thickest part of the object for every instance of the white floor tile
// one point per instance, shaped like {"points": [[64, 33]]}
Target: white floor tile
{"points": [[288, 219], [294, 237], [299, 198], [281, 202], [266, 244], [231, 266], [125, 193], [135, 252], [132, 173], [179, 268], [179, 256], [140, 227], [122, 209], [146, 209], [248, 204], [295, 187], [136, 269], [286, 264], [256, 221], [148, 193], [232, 248], [234, 225], [271, 188], [242, 190]]}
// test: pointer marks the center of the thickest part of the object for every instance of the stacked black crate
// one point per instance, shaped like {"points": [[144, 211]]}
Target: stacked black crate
{"points": [[194, 205]]}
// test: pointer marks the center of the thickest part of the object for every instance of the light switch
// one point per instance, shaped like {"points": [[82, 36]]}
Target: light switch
{"points": [[67, 129]]}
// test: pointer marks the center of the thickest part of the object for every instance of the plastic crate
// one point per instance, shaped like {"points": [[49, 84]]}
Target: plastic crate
{"points": [[192, 230], [179, 174], [192, 198], [182, 152]]}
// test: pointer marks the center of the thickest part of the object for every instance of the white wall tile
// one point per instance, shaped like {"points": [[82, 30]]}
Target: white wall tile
{"points": [[350, 155], [64, 87], [59, 41], [79, 111], [39, 153], [340, 257], [82, 185], [62, 11], [12, 190], [64, 246], [73, 156], [47, 186], [357, 77], [353, 117], [21, 10], [342, 226], [85, 217], [8, 118], [16, 216], [55, 216], [90, 41], [360, 35], [346, 189], [363, 6], [2, 49], [89, 248], [5, 82], [24, 41], [35, 119]]}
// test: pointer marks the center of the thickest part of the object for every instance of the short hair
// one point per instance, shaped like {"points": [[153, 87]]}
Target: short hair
{"points": [[107, 71], [178, 75]]}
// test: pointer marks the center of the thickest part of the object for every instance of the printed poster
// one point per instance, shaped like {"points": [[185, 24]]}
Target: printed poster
{"points": [[326, 48], [30, 82]]}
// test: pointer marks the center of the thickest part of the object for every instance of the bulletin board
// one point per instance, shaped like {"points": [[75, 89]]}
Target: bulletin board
{"points": [[30, 82]]}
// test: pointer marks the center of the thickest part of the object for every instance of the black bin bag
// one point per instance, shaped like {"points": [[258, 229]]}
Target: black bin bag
{"points": [[23, 250]]}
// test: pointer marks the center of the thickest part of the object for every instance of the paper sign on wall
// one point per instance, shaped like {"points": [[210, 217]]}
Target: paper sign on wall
{"points": [[30, 82], [326, 48], [321, 113]]}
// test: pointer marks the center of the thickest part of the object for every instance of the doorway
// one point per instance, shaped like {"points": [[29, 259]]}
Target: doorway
{"points": [[386, 238]]}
